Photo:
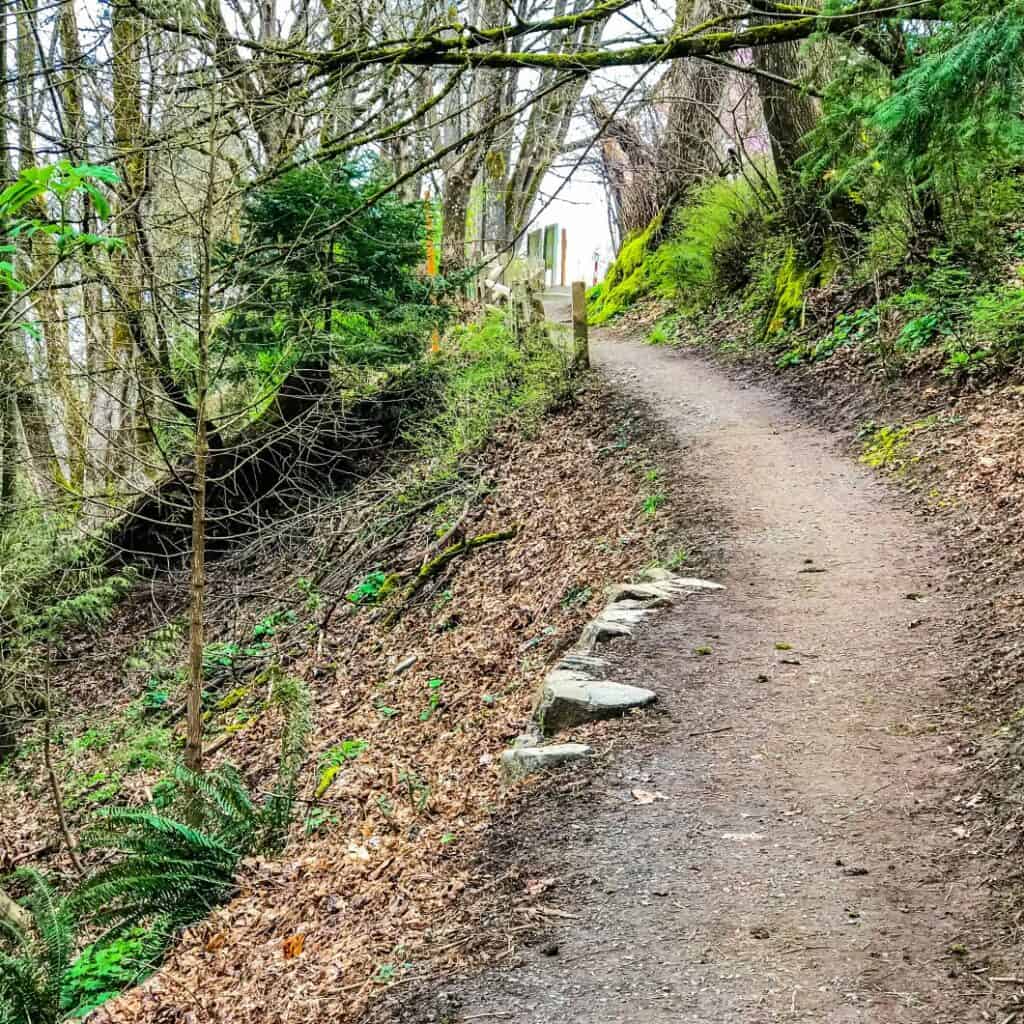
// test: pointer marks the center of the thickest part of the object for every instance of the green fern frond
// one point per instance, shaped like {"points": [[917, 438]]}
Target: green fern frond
{"points": [[227, 802], [33, 962]]}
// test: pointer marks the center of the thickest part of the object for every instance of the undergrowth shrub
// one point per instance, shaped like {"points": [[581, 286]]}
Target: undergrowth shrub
{"points": [[34, 960], [52, 583], [997, 322], [713, 239], [489, 372], [106, 968], [168, 871], [708, 253], [169, 874], [171, 871]]}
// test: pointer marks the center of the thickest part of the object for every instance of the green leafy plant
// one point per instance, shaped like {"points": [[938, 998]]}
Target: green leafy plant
{"points": [[964, 360], [576, 595], [660, 334], [326, 267], [171, 871], [58, 181], [652, 502], [334, 759], [156, 694], [314, 599], [220, 654], [346, 750], [317, 819], [106, 968], [35, 958], [269, 625], [169, 874], [291, 695], [677, 559], [918, 332], [370, 589], [434, 700], [997, 324]]}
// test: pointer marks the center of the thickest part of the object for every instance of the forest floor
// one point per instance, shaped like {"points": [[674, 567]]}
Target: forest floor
{"points": [[789, 839]]}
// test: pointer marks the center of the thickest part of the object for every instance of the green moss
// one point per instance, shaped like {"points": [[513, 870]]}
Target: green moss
{"points": [[327, 776], [786, 308], [707, 254], [240, 726], [628, 278], [232, 698], [887, 447], [791, 281]]}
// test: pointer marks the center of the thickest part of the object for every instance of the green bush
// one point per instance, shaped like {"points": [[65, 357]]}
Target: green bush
{"points": [[328, 266], [713, 240], [488, 372], [997, 321], [171, 871], [106, 968], [169, 874]]}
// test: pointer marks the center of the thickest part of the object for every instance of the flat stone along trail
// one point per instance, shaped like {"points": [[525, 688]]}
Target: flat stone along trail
{"points": [[803, 863]]}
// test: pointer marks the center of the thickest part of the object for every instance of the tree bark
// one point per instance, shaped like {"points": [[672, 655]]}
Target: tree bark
{"points": [[194, 712], [130, 156], [8, 408], [788, 115]]}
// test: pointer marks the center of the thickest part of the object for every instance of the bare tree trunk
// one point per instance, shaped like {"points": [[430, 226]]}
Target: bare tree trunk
{"points": [[8, 440], [194, 712], [58, 800], [196, 638], [8, 408], [70, 83], [129, 133], [788, 116], [458, 186]]}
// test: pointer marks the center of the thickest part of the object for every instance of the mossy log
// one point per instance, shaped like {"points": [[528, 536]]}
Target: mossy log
{"points": [[440, 562]]}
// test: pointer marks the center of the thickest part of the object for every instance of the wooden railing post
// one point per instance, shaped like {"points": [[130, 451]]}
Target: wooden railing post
{"points": [[581, 343]]}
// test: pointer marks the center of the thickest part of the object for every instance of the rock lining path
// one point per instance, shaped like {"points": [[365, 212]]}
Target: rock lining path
{"points": [[802, 866]]}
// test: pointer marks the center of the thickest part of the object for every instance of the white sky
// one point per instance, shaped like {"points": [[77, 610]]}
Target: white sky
{"points": [[581, 208]]}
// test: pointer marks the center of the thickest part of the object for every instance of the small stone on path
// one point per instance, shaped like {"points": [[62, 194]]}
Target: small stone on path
{"points": [[521, 761]]}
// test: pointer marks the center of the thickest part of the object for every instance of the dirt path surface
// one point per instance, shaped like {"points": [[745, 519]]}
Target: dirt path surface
{"points": [[802, 866]]}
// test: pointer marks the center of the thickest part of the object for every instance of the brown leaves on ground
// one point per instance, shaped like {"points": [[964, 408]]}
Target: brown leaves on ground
{"points": [[385, 889]]}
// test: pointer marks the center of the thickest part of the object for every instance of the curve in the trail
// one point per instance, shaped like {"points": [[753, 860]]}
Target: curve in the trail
{"points": [[799, 868]]}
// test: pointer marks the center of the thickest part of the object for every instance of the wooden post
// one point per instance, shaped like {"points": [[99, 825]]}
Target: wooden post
{"points": [[565, 246], [581, 344]]}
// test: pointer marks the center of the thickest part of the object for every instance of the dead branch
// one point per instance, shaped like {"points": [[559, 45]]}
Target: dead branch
{"points": [[440, 562]]}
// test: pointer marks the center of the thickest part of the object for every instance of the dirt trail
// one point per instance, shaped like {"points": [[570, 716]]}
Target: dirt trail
{"points": [[801, 866]]}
